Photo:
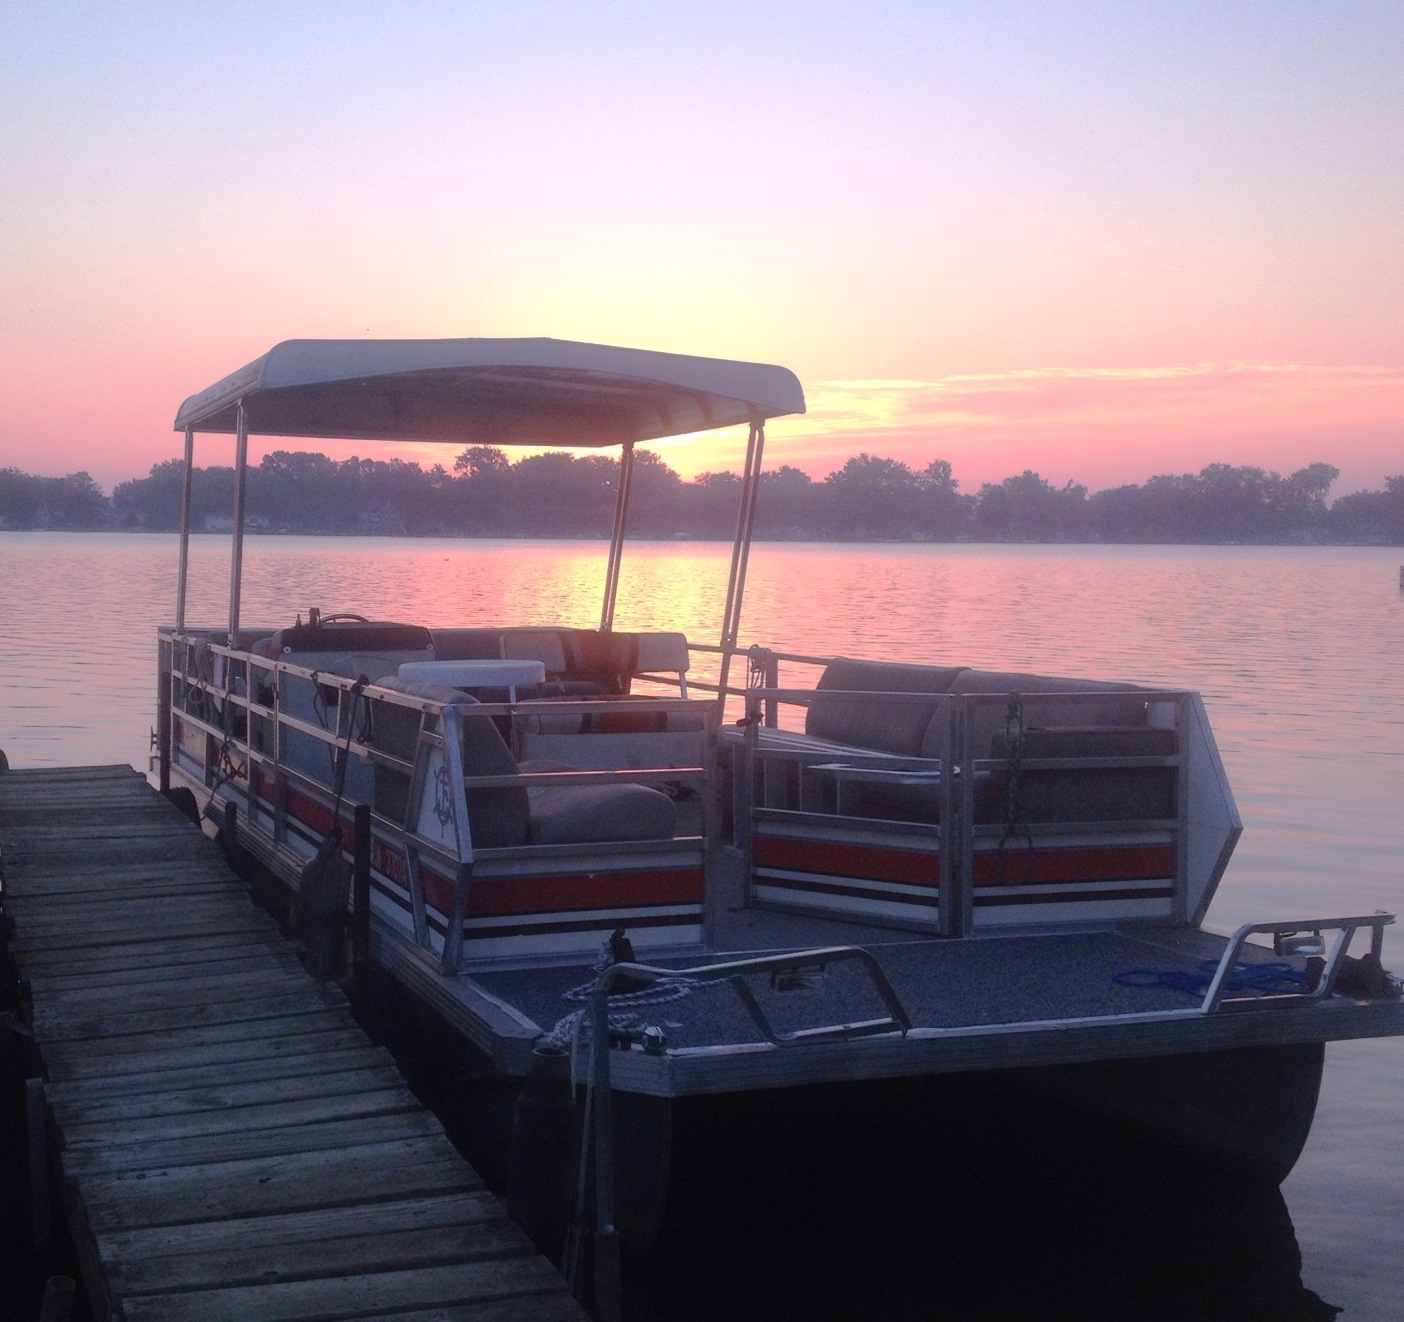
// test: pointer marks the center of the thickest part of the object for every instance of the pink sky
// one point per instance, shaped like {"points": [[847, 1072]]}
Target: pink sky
{"points": [[1103, 243]]}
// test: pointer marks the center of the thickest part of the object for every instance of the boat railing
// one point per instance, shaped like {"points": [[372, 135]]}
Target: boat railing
{"points": [[199, 694], [762, 671], [1300, 939], [942, 841], [791, 962], [246, 728], [251, 743]]}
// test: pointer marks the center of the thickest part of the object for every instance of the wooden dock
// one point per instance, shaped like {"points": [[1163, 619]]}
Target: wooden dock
{"points": [[233, 1146]]}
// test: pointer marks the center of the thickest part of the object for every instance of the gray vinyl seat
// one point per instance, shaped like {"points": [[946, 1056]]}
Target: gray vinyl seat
{"points": [[504, 817]]}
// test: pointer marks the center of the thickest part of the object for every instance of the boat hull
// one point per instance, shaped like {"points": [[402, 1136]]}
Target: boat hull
{"points": [[1240, 1115], [1249, 1109]]}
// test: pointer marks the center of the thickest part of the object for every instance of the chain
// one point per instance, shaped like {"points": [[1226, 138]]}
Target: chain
{"points": [[758, 663], [1014, 826], [228, 769]]}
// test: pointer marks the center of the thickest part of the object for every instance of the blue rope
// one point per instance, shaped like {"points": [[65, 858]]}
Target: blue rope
{"points": [[1268, 977]]}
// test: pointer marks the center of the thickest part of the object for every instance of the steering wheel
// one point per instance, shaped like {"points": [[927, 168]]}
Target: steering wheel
{"points": [[343, 615]]}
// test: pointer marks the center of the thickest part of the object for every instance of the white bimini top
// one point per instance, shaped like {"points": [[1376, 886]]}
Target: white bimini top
{"points": [[539, 392]]}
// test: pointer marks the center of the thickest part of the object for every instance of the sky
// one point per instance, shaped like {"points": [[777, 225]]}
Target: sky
{"points": [[1101, 241]]}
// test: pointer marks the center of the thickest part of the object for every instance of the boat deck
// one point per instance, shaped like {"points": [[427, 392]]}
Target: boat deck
{"points": [[996, 1002], [232, 1145], [941, 984]]}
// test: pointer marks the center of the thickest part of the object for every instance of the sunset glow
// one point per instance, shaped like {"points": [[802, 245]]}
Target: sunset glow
{"points": [[1100, 242]]}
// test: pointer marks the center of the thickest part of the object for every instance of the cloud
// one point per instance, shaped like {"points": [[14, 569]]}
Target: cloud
{"points": [[1105, 426], [1060, 394]]}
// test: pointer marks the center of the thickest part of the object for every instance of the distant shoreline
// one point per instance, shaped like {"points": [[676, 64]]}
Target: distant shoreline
{"points": [[689, 540], [868, 500]]}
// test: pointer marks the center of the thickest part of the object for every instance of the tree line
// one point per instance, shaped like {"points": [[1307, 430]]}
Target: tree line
{"points": [[870, 498]]}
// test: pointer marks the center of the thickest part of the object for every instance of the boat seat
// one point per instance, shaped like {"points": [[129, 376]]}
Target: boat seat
{"points": [[350, 648], [895, 726], [1106, 719], [579, 663], [1108, 703], [587, 662], [501, 817], [592, 665], [599, 666], [1082, 794], [467, 644], [886, 734], [352, 636]]}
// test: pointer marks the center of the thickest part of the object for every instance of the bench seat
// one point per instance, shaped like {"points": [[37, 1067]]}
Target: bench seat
{"points": [[847, 732], [528, 813]]}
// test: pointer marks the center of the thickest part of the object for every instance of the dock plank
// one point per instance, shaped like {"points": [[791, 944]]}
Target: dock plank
{"points": [[387, 1248], [59, 980], [101, 1108], [98, 1155], [200, 875], [350, 1297], [109, 917], [233, 1145], [180, 1049], [246, 1119], [273, 1029], [56, 1023], [224, 1074], [144, 992], [534, 1308], [264, 1233], [59, 958], [90, 937], [298, 1181]]}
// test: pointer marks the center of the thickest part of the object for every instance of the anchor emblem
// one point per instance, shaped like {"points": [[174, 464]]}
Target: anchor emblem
{"points": [[443, 797]]}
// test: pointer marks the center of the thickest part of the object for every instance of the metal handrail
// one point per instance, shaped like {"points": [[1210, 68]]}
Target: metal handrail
{"points": [[960, 838], [345, 683], [1345, 929], [792, 961], [235, 690]]}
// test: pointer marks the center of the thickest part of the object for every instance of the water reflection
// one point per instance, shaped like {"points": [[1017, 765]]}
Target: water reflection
{"points": [[1296, 652], [1294, 649], [997, 1209]]}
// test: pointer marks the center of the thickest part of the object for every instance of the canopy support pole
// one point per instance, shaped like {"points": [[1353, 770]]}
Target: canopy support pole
{"points": [[183, 574], [616, 540], [236, 559], [741, 550]]}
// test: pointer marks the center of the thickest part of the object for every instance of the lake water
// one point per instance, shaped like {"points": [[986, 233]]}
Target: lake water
{"points": [[1296, 651]]}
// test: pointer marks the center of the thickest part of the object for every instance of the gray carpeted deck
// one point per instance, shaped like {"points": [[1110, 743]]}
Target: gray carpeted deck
{"points": [[942, 984]]}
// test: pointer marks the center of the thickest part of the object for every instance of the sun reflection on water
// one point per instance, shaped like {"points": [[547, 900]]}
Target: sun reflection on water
{"points": [[1295, 651]]}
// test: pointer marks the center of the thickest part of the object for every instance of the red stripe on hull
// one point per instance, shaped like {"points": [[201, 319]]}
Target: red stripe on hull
{"points": [[1018, 866], [306, 809], [632, 921], [846, 860], [852, 892], [497, 897], [500, 897], [995, 899]]}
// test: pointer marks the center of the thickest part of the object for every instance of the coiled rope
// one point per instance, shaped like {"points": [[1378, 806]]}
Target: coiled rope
{"points": [[1266, 977]]}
